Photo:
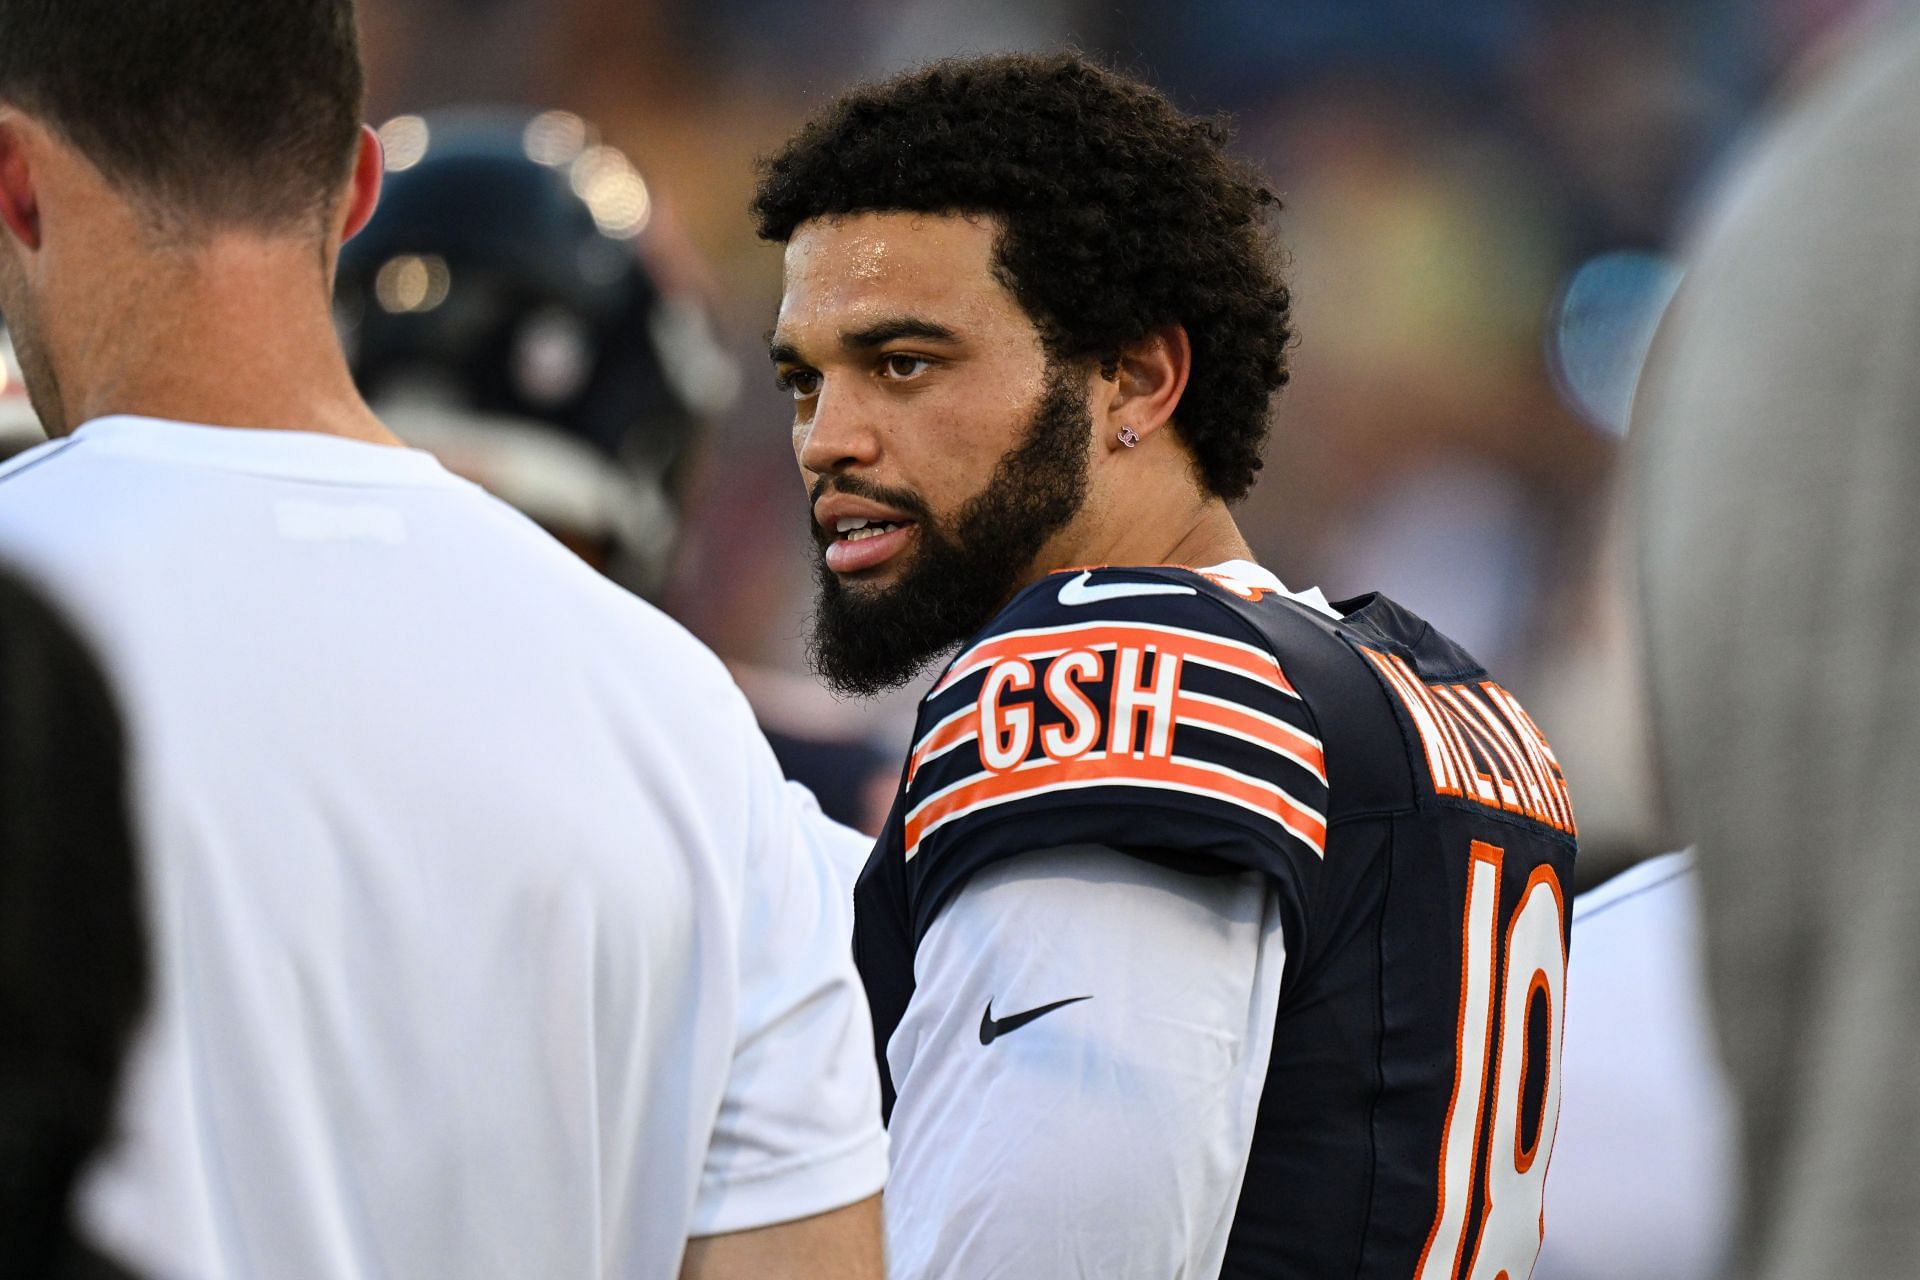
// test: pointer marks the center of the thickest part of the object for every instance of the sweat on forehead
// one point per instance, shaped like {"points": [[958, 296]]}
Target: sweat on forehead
{"points": [[865, 280], [910, 250]]}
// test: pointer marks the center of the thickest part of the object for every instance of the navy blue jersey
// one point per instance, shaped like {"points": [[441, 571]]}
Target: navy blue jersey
{"points": [[1415, 827]]}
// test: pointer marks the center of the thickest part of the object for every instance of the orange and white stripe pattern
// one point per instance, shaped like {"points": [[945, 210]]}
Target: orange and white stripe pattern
{"points": [[1175, 774], [1037, 643], [1097, 745], [1200, 710]]}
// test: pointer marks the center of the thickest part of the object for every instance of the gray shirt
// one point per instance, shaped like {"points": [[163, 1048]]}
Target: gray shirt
{"points": [[1779, 506]]}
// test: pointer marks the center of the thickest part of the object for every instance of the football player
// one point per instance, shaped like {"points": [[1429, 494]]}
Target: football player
{"points": [[1217, 929]]}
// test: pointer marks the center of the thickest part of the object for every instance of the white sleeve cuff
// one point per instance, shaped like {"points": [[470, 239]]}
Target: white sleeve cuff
{"points": [[798, 1132], [788, 1190]]}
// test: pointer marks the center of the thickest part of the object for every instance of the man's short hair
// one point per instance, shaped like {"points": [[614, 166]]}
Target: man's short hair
{"points": [[214, 113], [1119, 214]]}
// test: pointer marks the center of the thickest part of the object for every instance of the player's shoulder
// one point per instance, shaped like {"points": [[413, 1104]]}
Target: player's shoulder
{"points": [[1470, 742], [1229, 643], [1126, 707], [1109, 623], [1401, 715], [1241, 636], [1213, 614], [1377, 626]]}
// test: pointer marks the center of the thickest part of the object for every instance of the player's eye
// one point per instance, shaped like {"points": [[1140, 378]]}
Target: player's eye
{"points": [[898, 366], [801, 384]]}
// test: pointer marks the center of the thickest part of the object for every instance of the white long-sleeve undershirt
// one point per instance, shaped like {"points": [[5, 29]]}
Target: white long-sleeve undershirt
{"points": [[1108, 1137]]}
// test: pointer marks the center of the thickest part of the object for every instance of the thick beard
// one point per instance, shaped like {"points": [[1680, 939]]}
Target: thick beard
{"points": [[868, 640]]}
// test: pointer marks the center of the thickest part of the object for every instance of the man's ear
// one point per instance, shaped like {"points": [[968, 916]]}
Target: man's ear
{"points": [[369, 166], [1149, 380], [19, 196]]}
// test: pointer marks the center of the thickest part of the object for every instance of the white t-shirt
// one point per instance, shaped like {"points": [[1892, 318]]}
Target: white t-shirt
{"points": [[489, 942], [1644, 1169]]}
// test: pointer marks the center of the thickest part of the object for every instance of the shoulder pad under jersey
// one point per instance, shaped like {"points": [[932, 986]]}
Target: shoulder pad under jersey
{"points": [[1129, 707]]}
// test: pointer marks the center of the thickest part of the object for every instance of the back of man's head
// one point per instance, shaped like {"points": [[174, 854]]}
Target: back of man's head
{"points": [[211, 114]]}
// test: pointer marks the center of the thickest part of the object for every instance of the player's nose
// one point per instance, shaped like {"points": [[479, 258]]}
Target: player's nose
{"points": [[840, 435]]}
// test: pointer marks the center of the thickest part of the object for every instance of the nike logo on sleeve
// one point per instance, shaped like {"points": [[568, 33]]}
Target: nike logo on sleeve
{"points": [[1078, 591], [991, 1028]]}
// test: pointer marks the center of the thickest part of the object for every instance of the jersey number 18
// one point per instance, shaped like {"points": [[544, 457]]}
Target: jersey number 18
{"points": [[1494, 1032]]}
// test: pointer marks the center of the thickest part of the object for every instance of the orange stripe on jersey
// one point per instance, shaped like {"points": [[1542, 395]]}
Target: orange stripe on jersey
{"points": [[1039, 643], [1193, 777], [1205, 712], [961, 726]]}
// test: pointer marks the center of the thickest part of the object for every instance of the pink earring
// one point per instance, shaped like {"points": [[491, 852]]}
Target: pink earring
{"points": [[1128, 438]]}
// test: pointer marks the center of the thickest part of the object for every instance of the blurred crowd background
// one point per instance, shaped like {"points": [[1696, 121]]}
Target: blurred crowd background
{"points": [[1480, 198]]}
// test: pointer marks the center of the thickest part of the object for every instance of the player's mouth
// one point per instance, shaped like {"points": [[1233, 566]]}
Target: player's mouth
{"points": [[861, 543]]}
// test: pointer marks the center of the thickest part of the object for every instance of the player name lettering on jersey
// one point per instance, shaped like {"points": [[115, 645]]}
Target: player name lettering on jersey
{"points": [[1117, 704], [1481, 745]]}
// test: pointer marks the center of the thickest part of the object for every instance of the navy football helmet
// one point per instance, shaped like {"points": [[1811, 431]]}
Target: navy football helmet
{"points": [[499, 311]]}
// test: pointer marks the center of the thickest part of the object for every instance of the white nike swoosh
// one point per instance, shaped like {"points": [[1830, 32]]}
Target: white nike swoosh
{"points": [[1076, 591]]}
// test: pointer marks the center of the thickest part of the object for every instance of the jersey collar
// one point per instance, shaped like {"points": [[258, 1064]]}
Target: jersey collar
{"points": [[1254, 575]]}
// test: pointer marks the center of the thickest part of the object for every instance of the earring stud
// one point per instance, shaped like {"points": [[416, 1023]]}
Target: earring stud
{"points": [[1128, 438]]}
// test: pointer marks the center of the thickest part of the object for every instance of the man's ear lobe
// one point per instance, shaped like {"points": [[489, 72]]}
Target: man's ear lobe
{"points": [[1151, 378], [369, 167], [19, 197]]}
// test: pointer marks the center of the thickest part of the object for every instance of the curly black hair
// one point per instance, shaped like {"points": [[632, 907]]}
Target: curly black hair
{"points": [[1118, 214]]}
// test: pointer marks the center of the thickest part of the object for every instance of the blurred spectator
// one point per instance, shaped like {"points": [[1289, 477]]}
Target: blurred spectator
{"points": [[73, 955], [1779, 552]]}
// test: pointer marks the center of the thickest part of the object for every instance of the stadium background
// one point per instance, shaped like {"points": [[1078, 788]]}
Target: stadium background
{"points": [[1480, 202]]}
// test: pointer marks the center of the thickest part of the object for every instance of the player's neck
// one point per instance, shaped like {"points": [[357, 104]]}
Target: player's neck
{"points": [[238, 333], [1180, 528], [1212, 537]]}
